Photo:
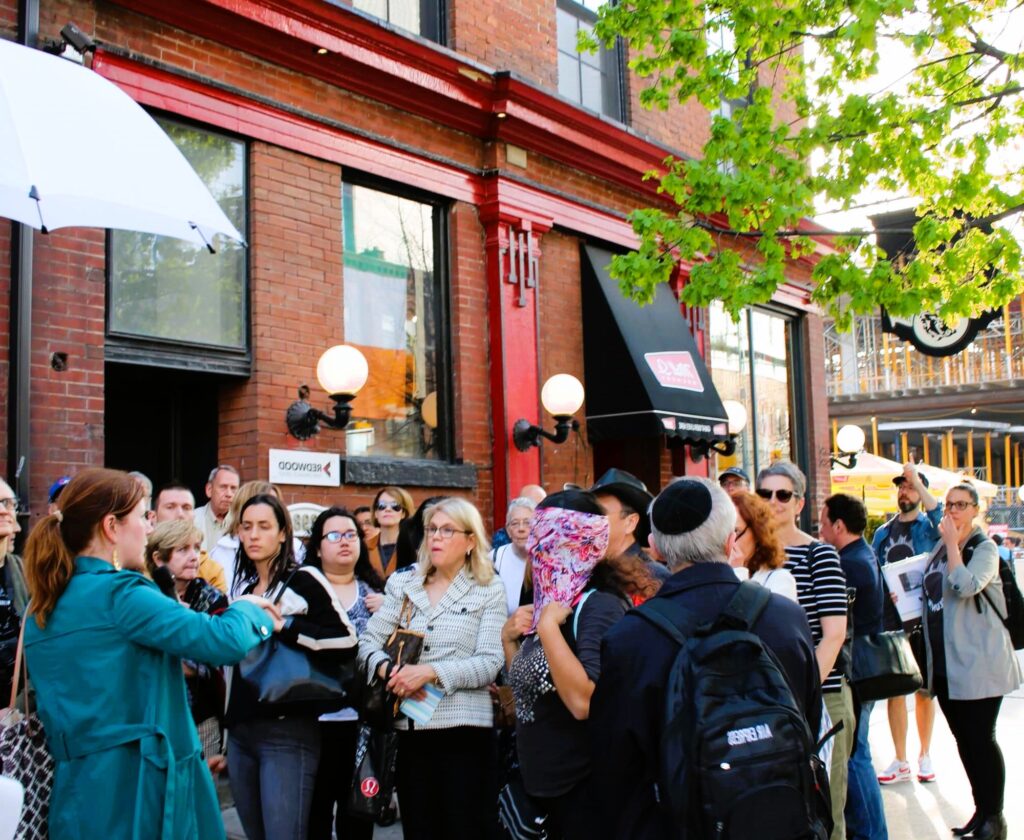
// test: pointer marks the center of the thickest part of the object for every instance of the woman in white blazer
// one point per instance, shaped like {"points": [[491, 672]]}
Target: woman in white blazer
{"points": [[445, 765], [971, 663]]}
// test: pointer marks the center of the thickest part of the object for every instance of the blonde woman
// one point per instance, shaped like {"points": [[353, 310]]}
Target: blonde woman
{"points": [[459, 604], [172, 561]]}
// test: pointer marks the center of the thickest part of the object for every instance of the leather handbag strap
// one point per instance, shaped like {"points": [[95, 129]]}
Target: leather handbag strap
{"points": [[20, 665], [287, 581]]}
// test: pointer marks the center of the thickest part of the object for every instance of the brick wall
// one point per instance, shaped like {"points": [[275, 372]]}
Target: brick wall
{"points": [[561, 351], [819, 443], [67, 316], [516, 35]]}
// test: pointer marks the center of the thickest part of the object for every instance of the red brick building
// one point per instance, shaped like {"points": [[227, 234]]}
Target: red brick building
{"points": [[403, 171]]}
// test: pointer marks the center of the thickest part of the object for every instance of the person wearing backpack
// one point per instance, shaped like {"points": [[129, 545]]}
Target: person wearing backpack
{"points": [[649, 703], [971, 665]]}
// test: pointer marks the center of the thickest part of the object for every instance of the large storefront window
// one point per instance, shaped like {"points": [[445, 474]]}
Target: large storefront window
{"points": [[751, 362], [393, 314], [166, 288]]}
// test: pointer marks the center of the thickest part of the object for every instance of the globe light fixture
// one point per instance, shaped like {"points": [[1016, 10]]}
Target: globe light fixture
{"points": [[850, 442], [341, 372], [1020, 493], [737, 414], [561, 396]]}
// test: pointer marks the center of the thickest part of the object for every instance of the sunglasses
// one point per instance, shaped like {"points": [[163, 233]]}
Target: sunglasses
{"points": [[395, 506], [338, 536], [739, 534], [782, 495]]}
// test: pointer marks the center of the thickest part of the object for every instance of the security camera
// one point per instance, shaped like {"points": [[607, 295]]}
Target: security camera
{"points": [[77, 38]]}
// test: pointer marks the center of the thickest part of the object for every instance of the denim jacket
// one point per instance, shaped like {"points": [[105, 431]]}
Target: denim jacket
{"points": [[924, 532]]}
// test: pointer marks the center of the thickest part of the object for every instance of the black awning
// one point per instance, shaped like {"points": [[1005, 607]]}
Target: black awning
{"points": [[644, 376]]}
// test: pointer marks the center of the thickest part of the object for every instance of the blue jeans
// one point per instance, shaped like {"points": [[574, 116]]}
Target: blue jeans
{"points": [[272, 769], [865, 817]]}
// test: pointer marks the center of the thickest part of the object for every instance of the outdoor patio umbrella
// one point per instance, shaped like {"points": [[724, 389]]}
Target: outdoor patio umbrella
{"points": [[75, 150], [870, 481]]}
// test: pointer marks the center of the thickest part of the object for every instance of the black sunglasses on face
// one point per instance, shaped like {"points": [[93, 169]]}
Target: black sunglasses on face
{"points": [[395, 506], [782, 495]]}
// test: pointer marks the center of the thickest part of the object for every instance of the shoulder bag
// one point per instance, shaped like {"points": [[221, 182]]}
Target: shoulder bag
{"points": [[290, 678], [378, 706], [884, 666], [24, 756]]}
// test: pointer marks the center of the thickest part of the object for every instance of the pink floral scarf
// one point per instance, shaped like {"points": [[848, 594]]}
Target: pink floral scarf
{"points": [[564, 547]]}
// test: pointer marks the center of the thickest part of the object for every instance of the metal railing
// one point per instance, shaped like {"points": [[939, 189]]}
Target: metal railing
{"points": [[869, 361]]}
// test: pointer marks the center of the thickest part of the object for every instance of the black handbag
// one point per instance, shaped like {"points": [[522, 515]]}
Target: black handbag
{"points": [[291, 679], [884, 666], [378, 706]]}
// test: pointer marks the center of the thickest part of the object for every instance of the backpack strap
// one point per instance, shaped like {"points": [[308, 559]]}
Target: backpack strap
{"points": [[745, 607], [672, 619], [576, 613]]}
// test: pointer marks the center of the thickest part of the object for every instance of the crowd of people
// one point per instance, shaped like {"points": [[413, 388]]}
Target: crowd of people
{"points": [[543, 674]]}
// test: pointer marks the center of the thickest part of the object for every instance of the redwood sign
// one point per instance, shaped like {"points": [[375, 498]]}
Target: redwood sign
{"points": [[675, 370]]}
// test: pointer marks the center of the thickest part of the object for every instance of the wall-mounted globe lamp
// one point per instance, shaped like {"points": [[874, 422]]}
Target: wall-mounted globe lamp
{"points": [[1020, 493], [561, 396], [737, 414], [341, 371], [850, 443]]}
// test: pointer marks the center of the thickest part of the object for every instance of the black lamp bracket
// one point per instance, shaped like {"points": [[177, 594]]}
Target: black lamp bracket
{"points": [[525, 434], [700, 449], [846, 459], [304, 421]]}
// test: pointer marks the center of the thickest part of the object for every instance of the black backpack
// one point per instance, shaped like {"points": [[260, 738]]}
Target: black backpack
{"points": [[1014, 618], [737, 756]]}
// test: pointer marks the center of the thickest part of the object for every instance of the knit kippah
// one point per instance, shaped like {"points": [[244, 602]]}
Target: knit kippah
{"points": [[681, 507]]}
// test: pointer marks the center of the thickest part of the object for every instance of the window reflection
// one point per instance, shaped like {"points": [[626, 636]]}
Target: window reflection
{"points": [[758, 378], [391, 314], [163, 287]]}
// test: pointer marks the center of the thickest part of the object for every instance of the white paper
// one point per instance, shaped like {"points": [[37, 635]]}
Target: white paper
{"points": [[905, 579]]}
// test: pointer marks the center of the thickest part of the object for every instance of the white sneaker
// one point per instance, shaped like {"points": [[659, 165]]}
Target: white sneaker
{"points": [[898, 771], [925, 771]]}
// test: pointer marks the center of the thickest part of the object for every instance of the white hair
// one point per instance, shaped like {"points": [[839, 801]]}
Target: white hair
{"points": [[706, 542], [520, 502]]}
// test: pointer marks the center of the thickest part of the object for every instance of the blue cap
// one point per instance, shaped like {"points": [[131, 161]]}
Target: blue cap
{"points": [[57, 486]]}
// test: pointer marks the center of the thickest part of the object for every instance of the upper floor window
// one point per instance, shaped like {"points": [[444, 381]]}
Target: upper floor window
{"points": [[594, 80], [166, 288], [721, 38], [393, 311], [423, 17]]}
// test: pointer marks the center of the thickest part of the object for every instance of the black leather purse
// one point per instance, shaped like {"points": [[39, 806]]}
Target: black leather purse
{"points": [[290, 679], [884, 666]]}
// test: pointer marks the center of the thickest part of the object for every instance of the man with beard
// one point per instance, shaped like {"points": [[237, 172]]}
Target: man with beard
{"points": [[912, 531]]}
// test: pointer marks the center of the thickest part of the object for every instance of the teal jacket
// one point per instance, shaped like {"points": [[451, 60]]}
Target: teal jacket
{"points": [[107, 675]]}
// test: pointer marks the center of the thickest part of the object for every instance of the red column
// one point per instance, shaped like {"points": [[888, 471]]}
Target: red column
{"points": [[513, 268]]}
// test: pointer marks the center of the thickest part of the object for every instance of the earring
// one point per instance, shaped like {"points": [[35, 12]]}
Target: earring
{"points": [[114, 560]]}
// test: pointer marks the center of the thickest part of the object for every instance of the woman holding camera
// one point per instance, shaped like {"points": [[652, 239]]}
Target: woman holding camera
{"points": [[971, 663]]}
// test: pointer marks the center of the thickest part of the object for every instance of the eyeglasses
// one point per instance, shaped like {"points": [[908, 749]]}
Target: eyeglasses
{"points": [[338, 536], [10, 504], [739, 534], [959, 505], [395, 506], [445, 532], [782, 495], [518, 523]]}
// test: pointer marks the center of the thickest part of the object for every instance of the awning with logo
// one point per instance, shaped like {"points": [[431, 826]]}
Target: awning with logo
{"points": [[644, 376]]}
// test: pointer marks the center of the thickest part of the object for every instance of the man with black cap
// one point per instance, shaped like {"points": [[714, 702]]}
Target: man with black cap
{"points": [[734, 480], [692, 529], [911, 531], [625, 500]]}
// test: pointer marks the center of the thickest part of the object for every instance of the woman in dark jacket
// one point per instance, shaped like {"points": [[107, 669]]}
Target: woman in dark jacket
{"points": [[553, 653], [273, 754]]}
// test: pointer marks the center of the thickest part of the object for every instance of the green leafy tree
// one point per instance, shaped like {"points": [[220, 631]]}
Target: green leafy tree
{"points": [[948, 132]]}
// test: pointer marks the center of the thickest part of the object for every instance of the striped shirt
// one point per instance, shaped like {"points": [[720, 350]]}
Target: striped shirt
{"points": [[820, 589]]}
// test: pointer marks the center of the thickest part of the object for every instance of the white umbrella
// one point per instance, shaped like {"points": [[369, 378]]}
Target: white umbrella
{"points": [[76, 150]]}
